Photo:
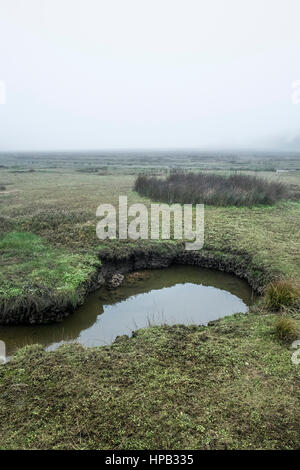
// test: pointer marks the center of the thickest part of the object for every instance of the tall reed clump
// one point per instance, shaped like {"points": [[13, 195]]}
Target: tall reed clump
{"points": [[281, 294], [204, 188]]}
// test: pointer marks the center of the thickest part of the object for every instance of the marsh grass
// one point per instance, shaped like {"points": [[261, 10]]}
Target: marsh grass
{"points": [[214, 189], [286, 329], [231, 385], [281, 294]]}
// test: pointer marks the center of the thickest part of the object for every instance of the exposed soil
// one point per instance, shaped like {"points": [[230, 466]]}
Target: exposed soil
{"points": [[115, 265]]}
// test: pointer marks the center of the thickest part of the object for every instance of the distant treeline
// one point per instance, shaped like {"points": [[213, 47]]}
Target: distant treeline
{"points": [[205, 188]]}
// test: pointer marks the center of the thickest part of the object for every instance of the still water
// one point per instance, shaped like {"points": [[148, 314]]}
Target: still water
{"points": [[179, 294]]}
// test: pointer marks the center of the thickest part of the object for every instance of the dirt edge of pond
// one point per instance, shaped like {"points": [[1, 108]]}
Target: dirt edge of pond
{"points": [[157, 256]]}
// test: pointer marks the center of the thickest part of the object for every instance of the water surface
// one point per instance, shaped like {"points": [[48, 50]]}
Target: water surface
{"points": [[179, 294]]}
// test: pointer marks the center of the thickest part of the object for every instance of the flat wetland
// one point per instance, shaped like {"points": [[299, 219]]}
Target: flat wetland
{"points": [[229, 385]]}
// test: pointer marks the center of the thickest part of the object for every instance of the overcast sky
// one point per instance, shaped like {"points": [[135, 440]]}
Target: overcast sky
{"points": [[99, 74]]}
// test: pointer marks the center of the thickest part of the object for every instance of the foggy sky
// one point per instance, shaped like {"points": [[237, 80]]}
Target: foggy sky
{"points": [[100, 74]]}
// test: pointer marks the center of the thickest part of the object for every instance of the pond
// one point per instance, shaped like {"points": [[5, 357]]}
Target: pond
{"points": [[178, 294]]}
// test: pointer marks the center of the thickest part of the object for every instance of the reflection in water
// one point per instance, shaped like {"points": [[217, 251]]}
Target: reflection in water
{"points": [[179, 294]]}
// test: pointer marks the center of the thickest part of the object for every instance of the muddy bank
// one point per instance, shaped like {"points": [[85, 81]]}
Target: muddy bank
{"points": [[233, 263], [119, 260]]}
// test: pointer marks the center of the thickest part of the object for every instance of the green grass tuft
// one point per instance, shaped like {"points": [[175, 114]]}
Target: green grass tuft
{"points": [[286, 329], [280, 294]]}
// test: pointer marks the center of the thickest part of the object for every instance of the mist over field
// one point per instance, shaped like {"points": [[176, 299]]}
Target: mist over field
{"points": [[171, 74]]}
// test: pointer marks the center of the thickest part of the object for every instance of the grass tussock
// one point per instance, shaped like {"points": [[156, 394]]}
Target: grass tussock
{"points": [[286, 329], [218, 190], [282, 294]]}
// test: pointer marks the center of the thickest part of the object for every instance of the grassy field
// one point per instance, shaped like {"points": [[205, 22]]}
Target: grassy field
{"points": [[230, 385]]}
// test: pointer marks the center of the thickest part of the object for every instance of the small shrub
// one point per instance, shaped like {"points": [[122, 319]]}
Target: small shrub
{"points": [[286, 329], [2, 187], [282, 294]]}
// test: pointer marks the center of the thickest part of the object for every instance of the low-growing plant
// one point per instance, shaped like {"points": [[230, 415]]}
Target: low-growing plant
{"points": [[280, 294], [286, 329]]}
